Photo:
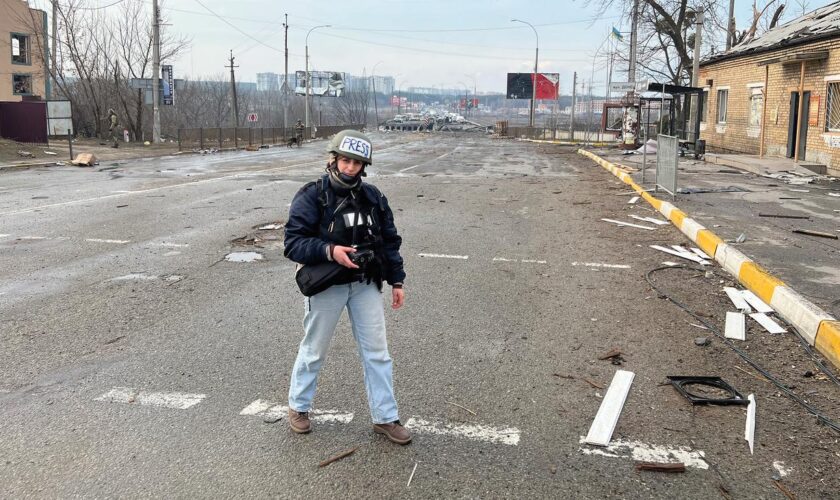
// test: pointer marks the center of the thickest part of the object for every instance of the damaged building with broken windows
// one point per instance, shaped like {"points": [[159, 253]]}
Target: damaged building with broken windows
{"points": [[23, 74], [778, 94]]}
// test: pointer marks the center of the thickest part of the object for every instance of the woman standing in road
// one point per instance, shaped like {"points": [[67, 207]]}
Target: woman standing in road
{"points": [[345, 226]]}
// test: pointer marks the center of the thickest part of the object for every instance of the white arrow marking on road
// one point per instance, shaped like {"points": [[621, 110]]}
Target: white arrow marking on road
{"points": [[444, 256], [176, 400], [272, 410], [598, 264], [509, 436], [643, 452]]}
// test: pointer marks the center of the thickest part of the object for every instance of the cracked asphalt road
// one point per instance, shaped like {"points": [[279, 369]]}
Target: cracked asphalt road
{"points": [[114, 277]]}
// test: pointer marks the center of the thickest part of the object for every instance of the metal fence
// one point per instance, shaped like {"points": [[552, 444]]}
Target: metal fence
{"points": [[222, 138], [549, 133], [667, 151]]}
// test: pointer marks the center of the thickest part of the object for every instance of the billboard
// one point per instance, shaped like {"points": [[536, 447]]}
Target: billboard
{"points": [[521, 85], [167, 82], [323, 83]]}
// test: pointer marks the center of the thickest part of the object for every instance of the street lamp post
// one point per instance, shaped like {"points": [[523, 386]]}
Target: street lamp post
{"points": [[536, 63], [308, 79]]}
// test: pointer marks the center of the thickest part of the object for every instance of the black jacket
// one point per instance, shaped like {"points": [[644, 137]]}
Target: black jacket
{"points": [[305, 239]]}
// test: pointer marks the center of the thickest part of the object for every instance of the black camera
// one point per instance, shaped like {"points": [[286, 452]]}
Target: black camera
{"points": [[361, 258]]}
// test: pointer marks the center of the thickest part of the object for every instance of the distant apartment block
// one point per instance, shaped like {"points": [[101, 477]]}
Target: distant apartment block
{"points": [[23, 73], [268, 81]]}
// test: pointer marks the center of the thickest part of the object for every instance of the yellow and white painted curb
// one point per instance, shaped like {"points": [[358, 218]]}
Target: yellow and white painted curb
{"points": [[819, 328]]}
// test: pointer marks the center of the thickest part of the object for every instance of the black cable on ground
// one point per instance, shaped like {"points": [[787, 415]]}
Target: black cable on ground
{"points": [[822, 418]]}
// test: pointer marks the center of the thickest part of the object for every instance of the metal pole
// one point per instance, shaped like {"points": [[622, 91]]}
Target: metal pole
{"points": [[536, 71], [54, 45], [70, 143], [799, 112], [308, 78], [763, 110], [695, 70], [156, 73], [644, 146], [286, 73], [730, 26], [572, 115], [235, 106]]}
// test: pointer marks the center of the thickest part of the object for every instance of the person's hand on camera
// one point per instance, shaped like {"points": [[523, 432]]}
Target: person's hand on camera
{"points": [[340, 255]]}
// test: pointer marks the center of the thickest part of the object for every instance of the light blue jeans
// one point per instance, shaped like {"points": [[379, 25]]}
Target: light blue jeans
{"points": [[367, 318]]}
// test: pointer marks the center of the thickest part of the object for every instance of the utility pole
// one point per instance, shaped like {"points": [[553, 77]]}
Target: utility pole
{"points": [[235, 107], [631, 76], [572, 116], [695, 65], [54, 46], [156, 73], [730, 26], [286, 73]]}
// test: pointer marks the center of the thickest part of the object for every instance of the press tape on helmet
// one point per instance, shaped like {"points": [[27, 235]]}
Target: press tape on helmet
{"points": [[355, 146]]}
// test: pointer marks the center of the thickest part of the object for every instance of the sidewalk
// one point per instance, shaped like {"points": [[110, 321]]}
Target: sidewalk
{"points": [[752, 206]]}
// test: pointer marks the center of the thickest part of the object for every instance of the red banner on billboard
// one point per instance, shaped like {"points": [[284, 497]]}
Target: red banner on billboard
{"points": [[395, 101], [547, 85], [520, 85]]}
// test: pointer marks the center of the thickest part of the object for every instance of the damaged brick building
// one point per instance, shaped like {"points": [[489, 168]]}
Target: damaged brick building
{"points": [[756, 92]]}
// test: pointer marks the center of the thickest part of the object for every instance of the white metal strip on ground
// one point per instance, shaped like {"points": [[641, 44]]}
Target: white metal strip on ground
{"points": [[444, 256], [767, 322], [269, 409], [737, 299], [128, 395], [629, 224], [644, 452], [755, 302], [598, 264], [509, 436], [700, 253], [633, 200], [799, 312], [684, 255], [735, 326], [600, 432], [749, 430], [651, 220]]}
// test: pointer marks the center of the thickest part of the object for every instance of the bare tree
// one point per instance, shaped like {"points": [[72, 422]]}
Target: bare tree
{"points": [[353, 106]]}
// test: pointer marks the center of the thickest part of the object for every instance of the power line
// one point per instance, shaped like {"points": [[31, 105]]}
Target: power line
{"points": [[237, 28], [94, 8]]}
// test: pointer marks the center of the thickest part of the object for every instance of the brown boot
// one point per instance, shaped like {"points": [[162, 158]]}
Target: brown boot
{"points": [[299, 422], [393, 431]]}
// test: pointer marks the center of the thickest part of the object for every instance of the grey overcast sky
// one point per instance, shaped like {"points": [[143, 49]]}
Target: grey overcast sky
{"points": [[425, 43]]}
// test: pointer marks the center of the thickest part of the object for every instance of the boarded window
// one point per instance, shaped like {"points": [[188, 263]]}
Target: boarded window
{"points": [[756, 106], [20, 49], [722, 101], [832, 108], [22, 84]]}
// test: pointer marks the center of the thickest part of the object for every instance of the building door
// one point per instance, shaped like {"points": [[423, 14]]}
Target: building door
{"points": [[796, 122]]}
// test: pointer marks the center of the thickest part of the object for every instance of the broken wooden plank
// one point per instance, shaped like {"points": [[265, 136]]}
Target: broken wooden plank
{"points": [[600, 432], [737, 299], [767, 322], [735, 326], [749, 431], [755, 302], [629, 224], [661, 467], [816, 233], [684, 255]]}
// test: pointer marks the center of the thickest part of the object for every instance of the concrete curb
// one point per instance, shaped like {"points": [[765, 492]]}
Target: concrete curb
{"points": [[819, 328], [25, 166]]}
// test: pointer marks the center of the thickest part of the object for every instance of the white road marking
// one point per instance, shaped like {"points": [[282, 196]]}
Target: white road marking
{"points": [[598, 264], [33, 238], [100, 240], [502, 259], [172, 253], [509, 436], [264, 408], [444, 256], [170, 245], [135, 277], [428, 161], [4, 235], [643, 452], [128, 395], [523, 261]]}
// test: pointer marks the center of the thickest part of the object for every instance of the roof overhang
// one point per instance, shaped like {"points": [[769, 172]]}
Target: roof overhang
{"points": [[673, 89], [795, 58]]}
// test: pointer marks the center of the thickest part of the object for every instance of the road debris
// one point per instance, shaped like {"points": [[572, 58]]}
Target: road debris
{"points": [[633, 200], [702, 341], [836, 195], [715, 391], [735, 326], [614, 355], [695, 325], [785, 216], [334, 458], [741, 238], [767, 322], [816, 233], [85, 160], [408, 485], [660, 467], [25, 154], [749, 431], [243, 257], [723, 189], [737, 299], [593, 384], [685, 255], [786, 492], [462, 407], [629, 224], [600, 432], [757, 304], [651, 220]]}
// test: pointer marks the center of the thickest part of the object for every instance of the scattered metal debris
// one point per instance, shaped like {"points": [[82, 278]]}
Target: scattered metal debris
{"points": [[749, 431], [684, 386], [600, 432], [735, 326], [785, 216], [816, 233], [629, 224], [341, 455], [660, 467]]}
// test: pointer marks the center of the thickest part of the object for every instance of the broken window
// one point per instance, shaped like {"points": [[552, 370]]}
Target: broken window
{"points": [[22, 84], [756, 106], [722, 101], [20, 49], [832, 117]]}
